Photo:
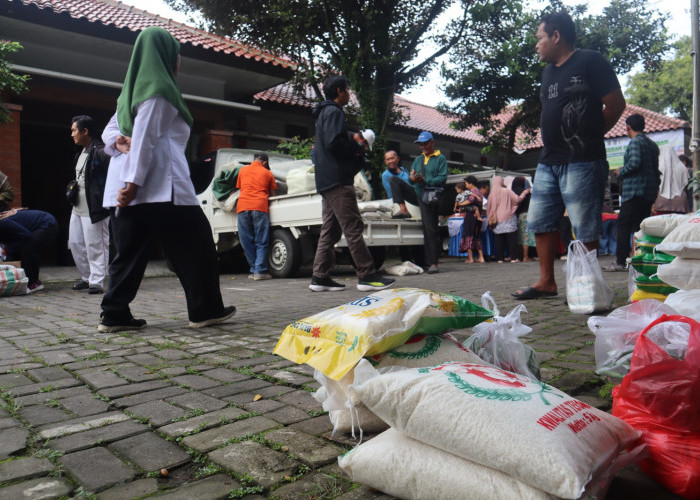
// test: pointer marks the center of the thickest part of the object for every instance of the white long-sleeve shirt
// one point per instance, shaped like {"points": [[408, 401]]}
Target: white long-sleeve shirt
{"points": [[156, 161]]}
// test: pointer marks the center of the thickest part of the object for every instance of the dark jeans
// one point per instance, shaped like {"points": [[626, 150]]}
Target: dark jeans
{"points": [[186, 237], [254, 233], [402, 192], [632, 213], [431, 233], [340, 217], [510, 239]]}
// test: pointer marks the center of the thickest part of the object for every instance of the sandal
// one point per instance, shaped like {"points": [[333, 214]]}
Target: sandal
{"points": [[530, 293]]}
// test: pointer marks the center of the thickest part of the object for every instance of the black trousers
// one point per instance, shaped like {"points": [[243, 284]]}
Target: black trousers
{"points": [[632, 213], [186, 237], [402, 192], [35, 246], [510, 239], [431, 233]]}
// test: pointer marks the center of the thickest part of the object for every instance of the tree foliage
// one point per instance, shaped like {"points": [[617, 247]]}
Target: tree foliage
{"points": [[9, 81], [382, 46], [669, 88], [499, 71]]}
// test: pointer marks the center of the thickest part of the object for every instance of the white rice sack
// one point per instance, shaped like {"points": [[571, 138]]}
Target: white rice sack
{"points": [[684, 274], [685, 303], [301, 180], [426, 350], [375, 206], [524, 428], [684, 240], [661, 225], [406, 468], [348, 414]]}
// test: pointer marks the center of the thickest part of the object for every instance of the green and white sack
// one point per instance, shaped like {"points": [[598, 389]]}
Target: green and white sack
{"points": [[13, 281], [406, 468], [523, 428]]}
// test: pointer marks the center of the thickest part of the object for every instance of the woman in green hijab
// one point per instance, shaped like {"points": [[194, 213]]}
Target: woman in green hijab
{"points": [[150, 193]]}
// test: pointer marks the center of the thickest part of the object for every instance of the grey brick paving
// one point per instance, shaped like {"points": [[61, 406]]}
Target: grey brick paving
{"points": [[157, 412], [228, 364], [215, 487], [95, 437], [24, 468], [150, 452], [84, 404], [12, 440], [135, 489], [264, 465], [38, 489], [96, 468], [208, 440]]}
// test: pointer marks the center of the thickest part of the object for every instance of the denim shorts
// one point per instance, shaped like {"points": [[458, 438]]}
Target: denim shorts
{"points": [[576, 187]]}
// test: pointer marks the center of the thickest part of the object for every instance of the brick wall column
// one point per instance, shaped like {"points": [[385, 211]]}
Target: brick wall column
{"points": [[211, 140], [10, 163]]}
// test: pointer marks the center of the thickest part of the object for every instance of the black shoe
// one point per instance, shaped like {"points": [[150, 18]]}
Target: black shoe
{"points": [[113, 325], [95, 289], [227, 313], [80, 285], [374, 282], [325, 285], [401, 215]]}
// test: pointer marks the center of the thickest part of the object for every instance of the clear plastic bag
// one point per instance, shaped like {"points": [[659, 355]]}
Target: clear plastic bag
{"points": [[498, 341], [586, 290], [617, 333]]}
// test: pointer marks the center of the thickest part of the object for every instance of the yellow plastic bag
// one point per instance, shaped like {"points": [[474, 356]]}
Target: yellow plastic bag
{"points": [[333, 341]]}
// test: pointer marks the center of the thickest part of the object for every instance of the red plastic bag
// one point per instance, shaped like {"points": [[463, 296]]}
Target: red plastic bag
{"points": [[661, 397]]}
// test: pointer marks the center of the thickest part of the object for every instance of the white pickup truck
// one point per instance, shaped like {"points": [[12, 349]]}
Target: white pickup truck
{"points": [[295, 219]]}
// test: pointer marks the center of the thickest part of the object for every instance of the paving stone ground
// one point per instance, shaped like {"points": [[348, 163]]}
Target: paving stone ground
{"points": [[180, 413]]}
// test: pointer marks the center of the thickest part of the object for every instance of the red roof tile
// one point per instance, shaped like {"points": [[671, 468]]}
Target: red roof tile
{"points": [[115, 13], [422, 117]]}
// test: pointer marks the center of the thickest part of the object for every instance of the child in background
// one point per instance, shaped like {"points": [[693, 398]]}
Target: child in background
{"points": [[466, 201]]}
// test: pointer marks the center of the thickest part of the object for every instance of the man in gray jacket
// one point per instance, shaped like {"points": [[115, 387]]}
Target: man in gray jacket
{"points": [[338, 157]]}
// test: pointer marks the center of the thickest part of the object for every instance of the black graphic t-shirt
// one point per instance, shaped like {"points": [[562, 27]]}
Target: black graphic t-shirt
{"points": [[572, 111]]}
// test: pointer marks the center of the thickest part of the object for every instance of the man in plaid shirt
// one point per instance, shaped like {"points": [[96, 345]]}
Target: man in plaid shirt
{"points": [[639, 180]]}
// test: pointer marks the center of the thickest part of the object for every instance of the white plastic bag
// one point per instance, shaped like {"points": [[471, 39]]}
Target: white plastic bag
{"points": [[617, 333], [406, 267], [499, 343], [586, 290]]}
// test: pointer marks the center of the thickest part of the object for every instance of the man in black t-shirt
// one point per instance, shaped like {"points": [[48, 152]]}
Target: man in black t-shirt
{"points": [[581, 100]]}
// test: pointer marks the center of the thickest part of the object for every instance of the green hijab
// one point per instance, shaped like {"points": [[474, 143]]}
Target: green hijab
{"points": [[151, 72]]}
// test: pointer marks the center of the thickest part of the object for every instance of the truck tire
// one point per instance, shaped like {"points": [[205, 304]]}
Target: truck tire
{"points": [[378, 255], [284, 254]]}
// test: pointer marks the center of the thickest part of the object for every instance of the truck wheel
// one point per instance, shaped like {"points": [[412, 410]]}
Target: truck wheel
{"points": [[378, 255], [284, 255]]}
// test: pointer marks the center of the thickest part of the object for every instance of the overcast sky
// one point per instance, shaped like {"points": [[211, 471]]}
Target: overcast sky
{"points": [[429, 93]]}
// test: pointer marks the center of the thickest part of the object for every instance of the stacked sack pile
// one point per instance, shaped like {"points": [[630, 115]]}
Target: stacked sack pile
{"points": [[397, 327], [456, 425], [683, 273], [644, 280]]}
